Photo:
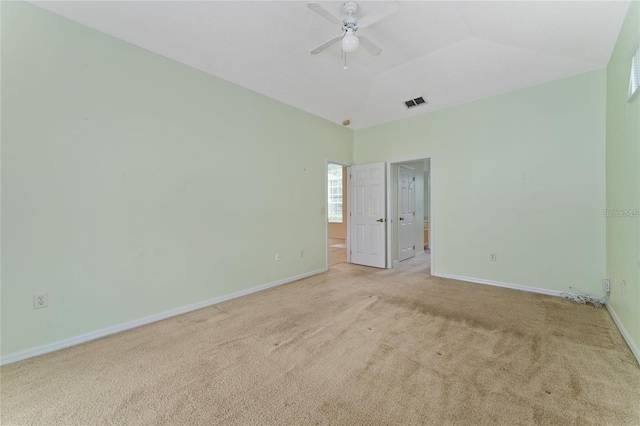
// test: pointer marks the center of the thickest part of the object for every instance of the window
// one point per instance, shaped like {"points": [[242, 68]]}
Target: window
{"points": [[335, 193], [634, 79]]}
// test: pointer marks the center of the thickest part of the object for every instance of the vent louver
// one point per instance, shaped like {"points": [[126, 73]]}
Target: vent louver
{"points": [[415, 102]]}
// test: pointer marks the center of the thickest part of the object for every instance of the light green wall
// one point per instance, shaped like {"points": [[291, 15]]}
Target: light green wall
{"points": [[623, 179], [521, 174], [132, 185]]}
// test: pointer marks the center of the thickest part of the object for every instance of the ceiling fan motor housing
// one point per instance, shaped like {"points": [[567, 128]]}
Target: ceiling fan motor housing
{"points": [[349, 23]]}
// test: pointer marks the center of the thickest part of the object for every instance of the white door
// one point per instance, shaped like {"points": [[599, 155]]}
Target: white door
{"points": [[367, 215], [406, 212]]}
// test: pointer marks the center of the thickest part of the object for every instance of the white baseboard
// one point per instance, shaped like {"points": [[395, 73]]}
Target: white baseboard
{"points": [[627, 338], [76, 340], [501, 284]]}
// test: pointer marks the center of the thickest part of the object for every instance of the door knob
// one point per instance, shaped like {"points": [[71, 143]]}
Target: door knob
{"points": [[380, 220], [402, 218]]}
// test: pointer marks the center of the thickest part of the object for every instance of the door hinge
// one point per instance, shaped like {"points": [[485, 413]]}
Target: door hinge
{"points": [[414, 213], [414, 247], [414, 178]]}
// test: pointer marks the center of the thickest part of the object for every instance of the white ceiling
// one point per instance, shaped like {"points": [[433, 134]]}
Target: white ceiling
{"points": [[450, 52]]}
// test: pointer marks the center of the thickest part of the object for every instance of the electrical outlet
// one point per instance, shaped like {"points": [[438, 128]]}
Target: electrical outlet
{"points": [[607, 285], [493, 257], [301, 253], [277, 257], [40, 300]]}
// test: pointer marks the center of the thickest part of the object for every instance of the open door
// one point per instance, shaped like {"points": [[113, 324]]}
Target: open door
{"points": [[367, 216], [406, 212]]}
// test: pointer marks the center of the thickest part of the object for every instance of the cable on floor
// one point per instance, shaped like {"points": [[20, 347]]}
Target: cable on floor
{"points": [[583, 297]]}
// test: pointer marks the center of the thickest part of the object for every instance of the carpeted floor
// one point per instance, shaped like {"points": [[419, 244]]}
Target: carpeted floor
{"points": [[337, 255], [337, 251], [354, 346]]}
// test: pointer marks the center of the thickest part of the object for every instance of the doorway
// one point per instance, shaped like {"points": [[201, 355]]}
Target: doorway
{"points": [[337, 222], [409, 202]]}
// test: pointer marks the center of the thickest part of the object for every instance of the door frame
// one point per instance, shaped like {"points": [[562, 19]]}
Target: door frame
{"points": [[432, 233], [345, 209]]}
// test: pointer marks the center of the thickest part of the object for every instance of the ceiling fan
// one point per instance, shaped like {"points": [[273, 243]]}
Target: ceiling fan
{"points": [[349, 26]]}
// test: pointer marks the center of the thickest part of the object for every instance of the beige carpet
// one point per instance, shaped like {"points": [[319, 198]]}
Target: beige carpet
{"points": [[337, 251], [337, 255], [354, 346]]}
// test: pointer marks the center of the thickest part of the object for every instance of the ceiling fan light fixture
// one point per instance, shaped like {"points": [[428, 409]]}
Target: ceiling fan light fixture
{"points": [[350, 42]]}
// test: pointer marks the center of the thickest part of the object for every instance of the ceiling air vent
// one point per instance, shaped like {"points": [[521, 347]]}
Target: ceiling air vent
{"points": [[415, 102]]}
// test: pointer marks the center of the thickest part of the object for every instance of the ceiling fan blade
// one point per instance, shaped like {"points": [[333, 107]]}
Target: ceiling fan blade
{"points": [[324, 13], [370, 46], [325, 45], [378, 14]]}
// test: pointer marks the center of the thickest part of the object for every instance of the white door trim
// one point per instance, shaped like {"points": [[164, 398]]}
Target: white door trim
{"points": [[326, 208], [432, 190]]}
